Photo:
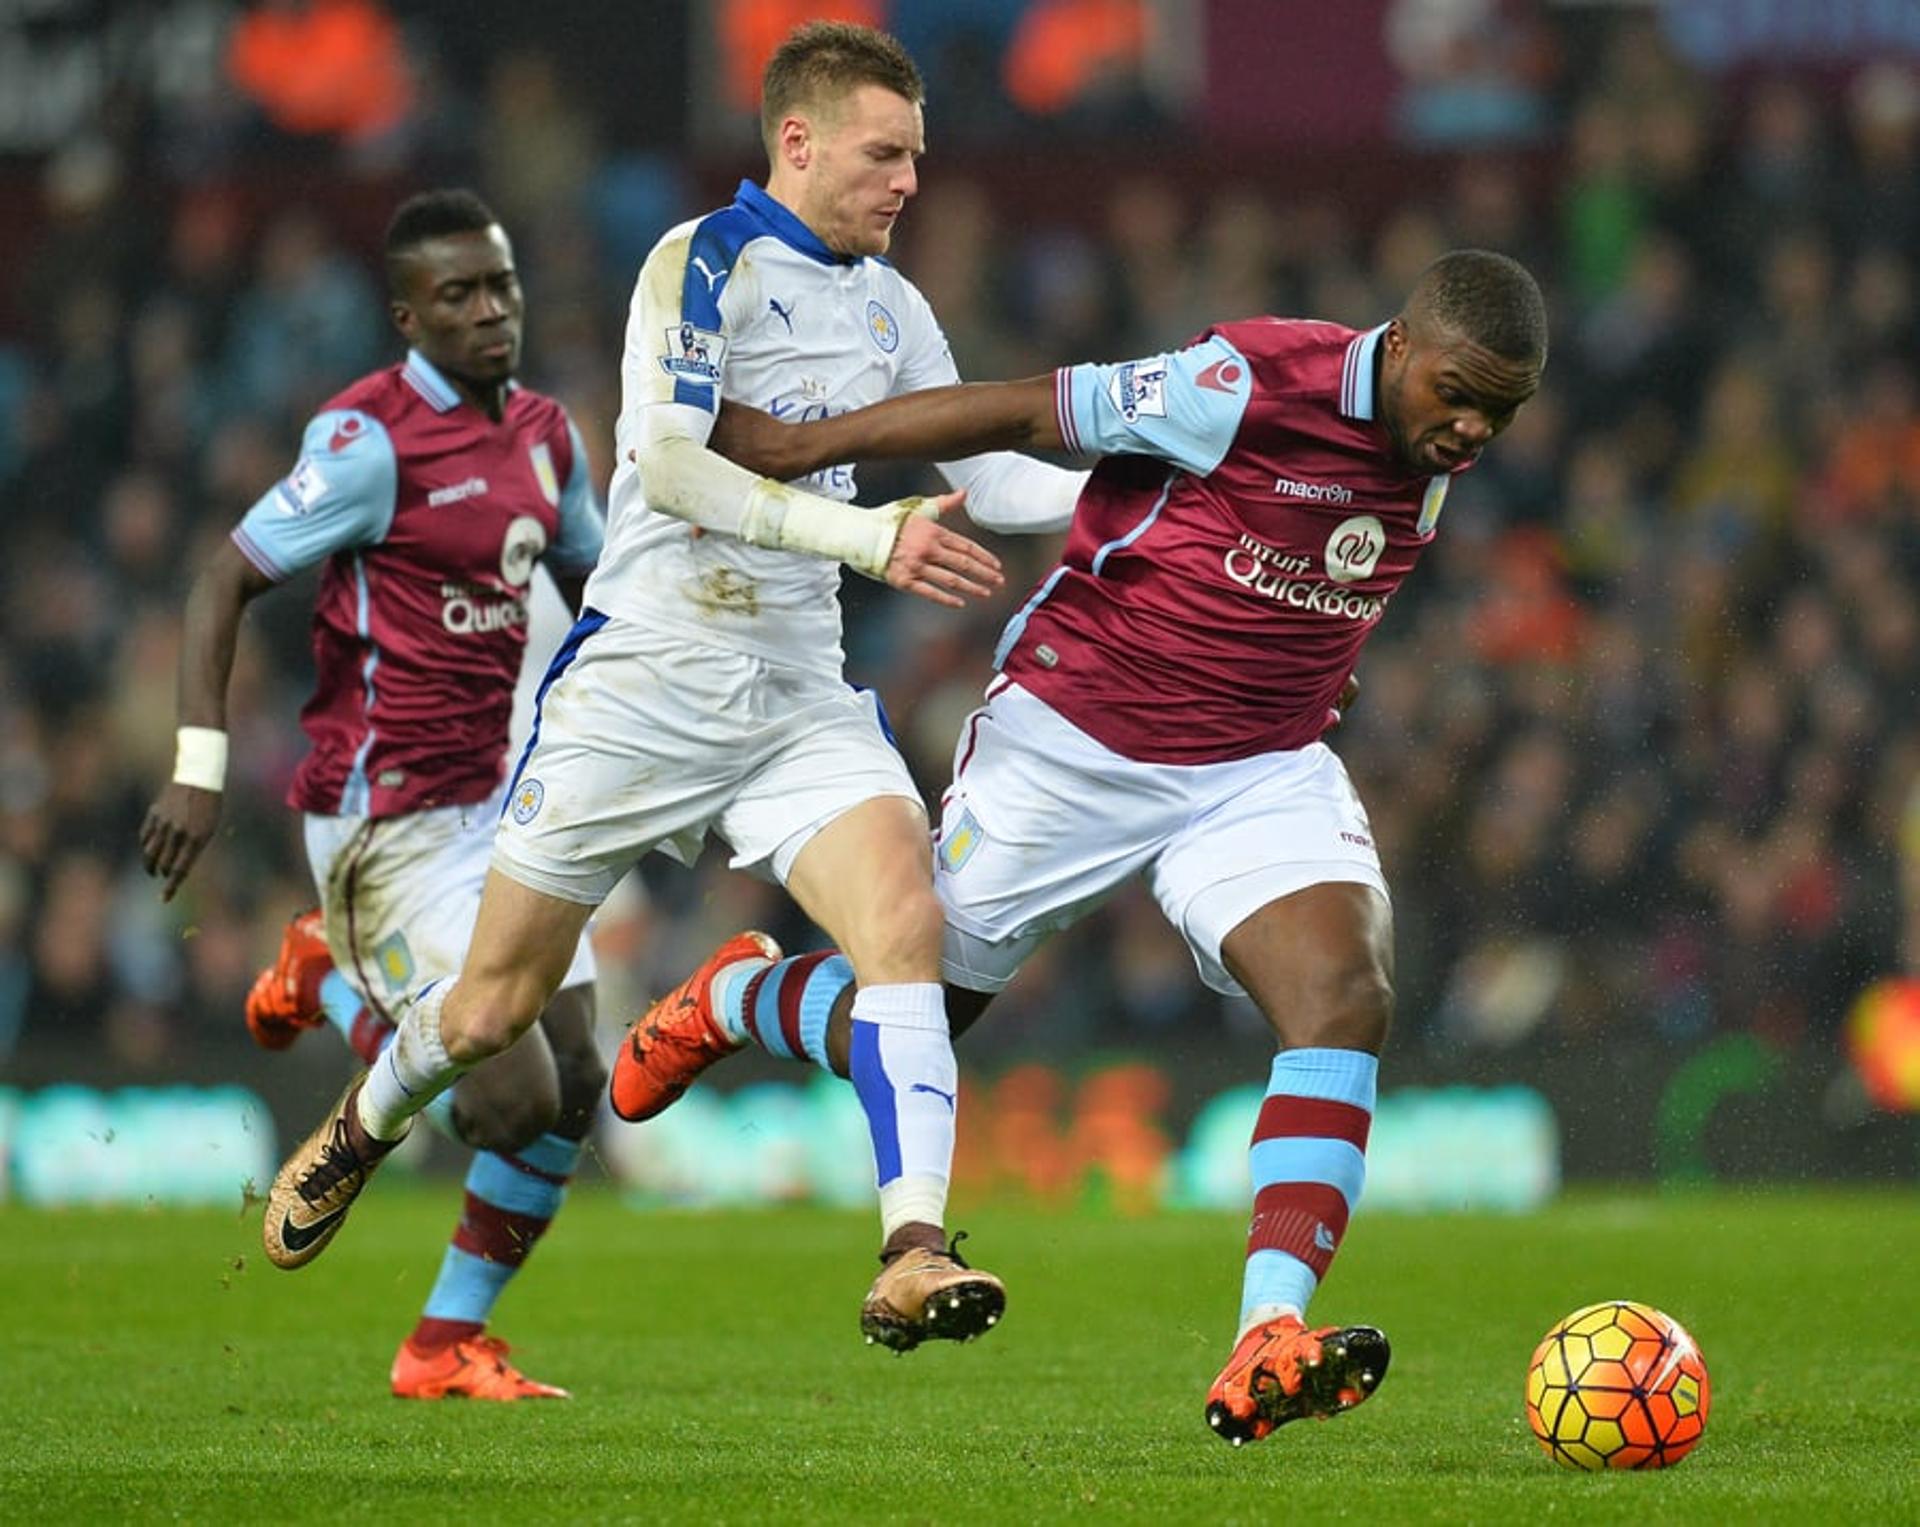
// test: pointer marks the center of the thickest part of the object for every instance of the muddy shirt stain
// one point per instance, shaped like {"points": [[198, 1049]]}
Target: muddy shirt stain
{"points": [[726, 591]]}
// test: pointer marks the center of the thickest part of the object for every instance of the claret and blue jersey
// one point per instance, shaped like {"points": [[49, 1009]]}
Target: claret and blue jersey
{"points": [[1235, 546], [429, 516]]}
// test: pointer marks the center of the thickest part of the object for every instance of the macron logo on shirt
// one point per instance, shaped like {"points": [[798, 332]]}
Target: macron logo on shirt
{"points": [[1314, 492], [473, 487]]}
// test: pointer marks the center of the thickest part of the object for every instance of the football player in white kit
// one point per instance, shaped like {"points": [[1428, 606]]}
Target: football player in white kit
{"points": [[702, 687], [1159, 711]]}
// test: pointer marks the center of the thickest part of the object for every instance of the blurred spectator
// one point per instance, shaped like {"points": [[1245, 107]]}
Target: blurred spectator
{"points": [[1737, 485], [1078, 54], [1603, 209], [1880, 202], [1639, 741], [537, 146], [323, 67], [1151, 267], [304, 326], [1474, 71], [750, 30]]}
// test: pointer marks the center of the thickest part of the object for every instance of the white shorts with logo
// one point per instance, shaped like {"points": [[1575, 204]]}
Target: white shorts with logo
{"points": [[1043, 823], [401, 893], [647, 740]]}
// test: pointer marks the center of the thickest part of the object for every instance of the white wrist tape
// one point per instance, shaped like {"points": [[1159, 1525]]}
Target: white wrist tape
{"points": [[200, 758], [685, 479], [790, 520]]}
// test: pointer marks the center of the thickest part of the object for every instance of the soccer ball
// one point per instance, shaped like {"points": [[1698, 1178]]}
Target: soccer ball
{"points": [[1617, 1386]]}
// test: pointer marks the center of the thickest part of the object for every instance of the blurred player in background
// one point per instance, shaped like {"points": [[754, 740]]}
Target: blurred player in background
{"points": [[429, 489], [1158, 710], [703, 689]]}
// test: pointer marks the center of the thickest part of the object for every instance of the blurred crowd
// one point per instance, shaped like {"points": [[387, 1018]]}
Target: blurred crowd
{"points": [[1639, 739]]}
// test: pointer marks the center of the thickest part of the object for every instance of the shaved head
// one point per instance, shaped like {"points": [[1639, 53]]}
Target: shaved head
{"points": [[1460, 360], [1486, 299]]}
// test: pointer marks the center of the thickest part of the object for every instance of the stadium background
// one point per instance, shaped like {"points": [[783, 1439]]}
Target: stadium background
{"points": [[1640, 742]]}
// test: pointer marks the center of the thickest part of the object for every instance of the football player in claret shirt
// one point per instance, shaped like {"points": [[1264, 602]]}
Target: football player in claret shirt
{"points": [[702, 688], [428, 490], [1158, 710]]}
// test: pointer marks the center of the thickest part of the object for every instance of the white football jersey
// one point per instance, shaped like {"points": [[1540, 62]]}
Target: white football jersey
{"points": [[747, 303]]}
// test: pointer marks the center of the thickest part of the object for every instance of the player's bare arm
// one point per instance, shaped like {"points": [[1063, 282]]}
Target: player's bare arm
{"points": [[936, 424], [181, 821]]}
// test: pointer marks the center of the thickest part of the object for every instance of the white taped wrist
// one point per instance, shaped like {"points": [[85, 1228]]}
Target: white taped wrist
{"points": [[683, 478], [824, 527], [200, 758]]}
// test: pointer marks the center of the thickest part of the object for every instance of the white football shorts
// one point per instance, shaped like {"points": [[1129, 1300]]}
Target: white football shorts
{"points": [[401, 893], [1043, 823], [646, 740]]}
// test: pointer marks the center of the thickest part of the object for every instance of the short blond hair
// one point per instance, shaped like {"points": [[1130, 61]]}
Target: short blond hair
{"points": [[823, 62]]}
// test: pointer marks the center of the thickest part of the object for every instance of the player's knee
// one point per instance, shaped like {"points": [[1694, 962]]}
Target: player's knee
{"points": [[583, 1080], [900, 939], [482, 1035], [1350, 1009], [1361, 1012], [507, 1123], [490, 1020]]}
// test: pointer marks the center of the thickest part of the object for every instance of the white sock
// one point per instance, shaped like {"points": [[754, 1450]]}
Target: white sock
{"points": [[1261, 1314], [412, 1071], [907, 1081], [909, 1200]]}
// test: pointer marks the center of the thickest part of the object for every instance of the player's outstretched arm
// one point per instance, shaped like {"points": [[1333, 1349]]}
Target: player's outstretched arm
{"points": [[181, 821], [937, 424], [897, 543]]}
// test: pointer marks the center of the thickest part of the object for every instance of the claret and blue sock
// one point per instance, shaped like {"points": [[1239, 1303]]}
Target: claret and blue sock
{"points": [[1309, 1162]]}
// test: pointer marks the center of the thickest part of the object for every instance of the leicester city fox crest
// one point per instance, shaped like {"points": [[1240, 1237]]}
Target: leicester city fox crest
{"points": [[528, 797]]}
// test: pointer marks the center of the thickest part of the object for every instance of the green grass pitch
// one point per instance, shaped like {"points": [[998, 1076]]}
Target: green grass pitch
{"points": [[156, 1368]]}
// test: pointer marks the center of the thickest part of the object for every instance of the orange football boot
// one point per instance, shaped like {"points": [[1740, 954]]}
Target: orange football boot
{"points": [[678, 1037], [474, 1369], [285, 999], [1281, 1371]]}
